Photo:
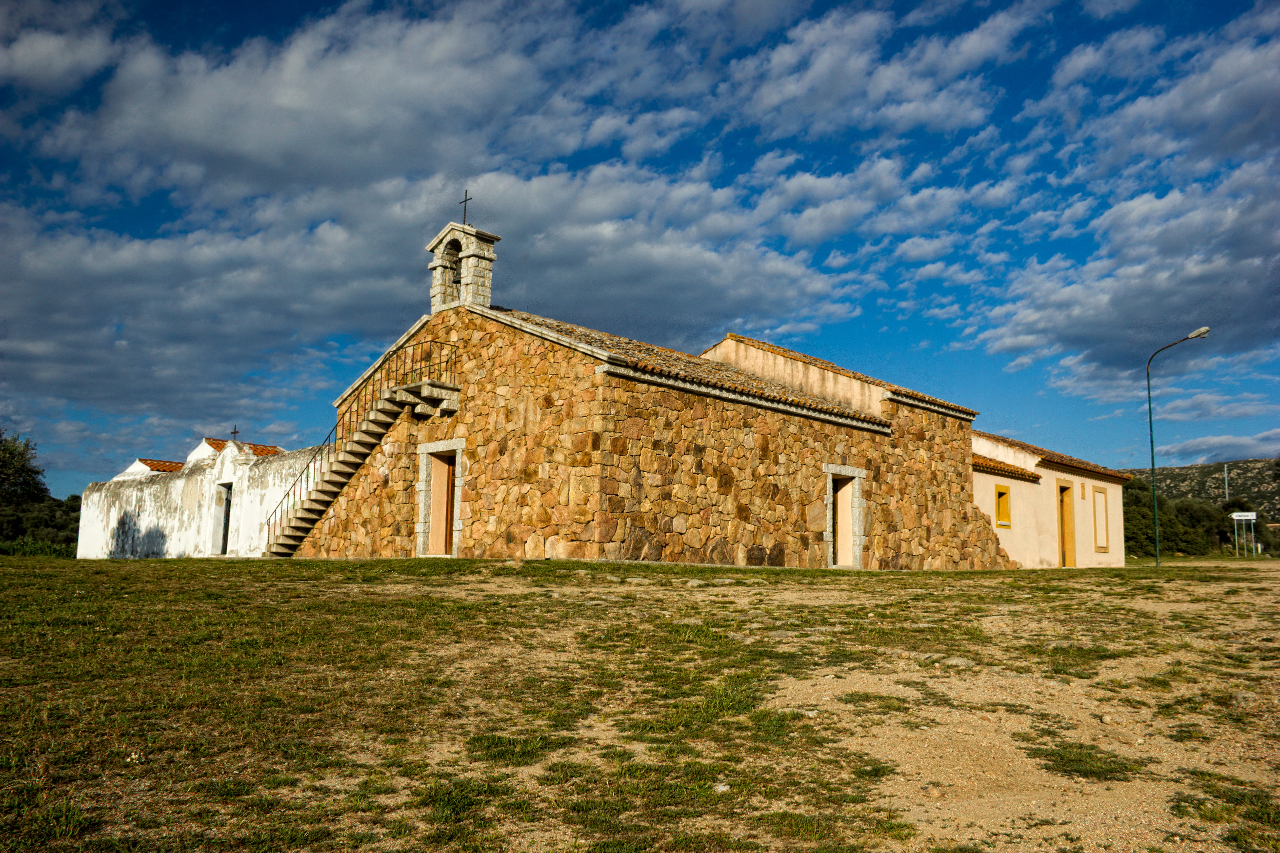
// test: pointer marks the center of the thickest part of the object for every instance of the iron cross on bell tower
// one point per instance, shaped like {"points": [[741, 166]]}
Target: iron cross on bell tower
{"points": [[465, 198]]}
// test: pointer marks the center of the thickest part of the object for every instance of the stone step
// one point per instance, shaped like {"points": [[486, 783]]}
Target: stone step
{"points": [[352, 457], [331, 484], [365, 439], [372, 428], [312, 515], [317, 500], [406, 397], [344, 468]]}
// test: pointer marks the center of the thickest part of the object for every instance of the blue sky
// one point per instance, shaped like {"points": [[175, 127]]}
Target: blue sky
{"points": [[213, 214]]}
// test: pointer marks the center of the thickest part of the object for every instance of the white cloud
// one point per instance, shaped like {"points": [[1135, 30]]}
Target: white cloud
{"points": [[924, 248], [54, 63], [1128, 53], [1217, 407], [1222, 448], [829, 74], [1218, 104], [1103, 9]]}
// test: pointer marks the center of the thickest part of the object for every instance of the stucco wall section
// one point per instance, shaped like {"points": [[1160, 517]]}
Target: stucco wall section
{"points": [[1032, 537], [161, 515], [859, 395], [176, 514], [562, 460], [1001, 452]]}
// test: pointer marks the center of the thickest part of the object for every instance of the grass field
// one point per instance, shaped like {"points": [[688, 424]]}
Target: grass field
{"points": [[464, 705]]}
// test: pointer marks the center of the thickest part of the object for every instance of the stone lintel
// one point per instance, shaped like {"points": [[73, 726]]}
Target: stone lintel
{"points": [[844, 471]]}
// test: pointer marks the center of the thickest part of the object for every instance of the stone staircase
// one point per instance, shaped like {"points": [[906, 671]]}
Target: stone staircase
{"points": [[338, 465]]}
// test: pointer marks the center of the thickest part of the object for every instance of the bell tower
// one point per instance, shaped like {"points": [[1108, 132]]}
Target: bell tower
{"points": [[462, 271]]}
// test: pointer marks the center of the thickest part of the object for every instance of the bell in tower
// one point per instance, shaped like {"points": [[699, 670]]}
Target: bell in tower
{"points": [[462, 271]]}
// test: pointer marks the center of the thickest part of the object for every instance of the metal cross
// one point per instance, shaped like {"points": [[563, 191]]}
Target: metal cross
{"points": [[235, 430], [465, 199]]}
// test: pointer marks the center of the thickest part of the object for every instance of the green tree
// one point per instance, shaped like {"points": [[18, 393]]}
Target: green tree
{"points": [[1139, 533], [29, 516], [21, 477]]}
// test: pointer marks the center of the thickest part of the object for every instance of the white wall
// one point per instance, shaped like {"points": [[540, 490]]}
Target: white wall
{"points": [[1032, 535], [176, 514]]}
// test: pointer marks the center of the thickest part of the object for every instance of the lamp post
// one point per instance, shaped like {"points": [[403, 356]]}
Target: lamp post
{"points": [[1202, 332]]}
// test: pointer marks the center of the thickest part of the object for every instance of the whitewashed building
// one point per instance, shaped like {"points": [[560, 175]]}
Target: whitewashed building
{"points": [[215, 503], [1049, 509]]}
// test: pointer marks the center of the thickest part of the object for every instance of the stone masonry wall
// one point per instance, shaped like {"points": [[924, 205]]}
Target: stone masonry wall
{"points": [[690, 479], [919, 495], [561, 461], [374, 515], [522, 402]]}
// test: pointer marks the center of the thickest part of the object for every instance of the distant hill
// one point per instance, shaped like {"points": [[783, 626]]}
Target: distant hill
{"points": [[1249, 478]]}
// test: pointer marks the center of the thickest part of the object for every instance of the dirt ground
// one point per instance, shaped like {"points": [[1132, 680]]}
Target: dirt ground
{"points": [[398, 706], [1208, 705]]}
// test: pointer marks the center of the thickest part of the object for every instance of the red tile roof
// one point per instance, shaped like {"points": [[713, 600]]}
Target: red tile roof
{"points": [[650, 358], [258, 449], [1003, 469], [161, 465], [1055, 457], [835, 368]]}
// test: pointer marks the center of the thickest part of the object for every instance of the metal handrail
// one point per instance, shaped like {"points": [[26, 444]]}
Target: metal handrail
{"points": [[293, 494], [406, 365]]}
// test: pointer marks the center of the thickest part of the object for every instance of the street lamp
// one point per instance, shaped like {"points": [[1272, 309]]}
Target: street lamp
{"points": [[1202, 332]]}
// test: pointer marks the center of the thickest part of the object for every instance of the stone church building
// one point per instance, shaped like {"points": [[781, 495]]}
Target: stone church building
{"points": [[487, 432]]}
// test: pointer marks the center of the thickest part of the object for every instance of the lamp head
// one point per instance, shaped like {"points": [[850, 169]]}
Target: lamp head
{"points": [[1202, 332]]}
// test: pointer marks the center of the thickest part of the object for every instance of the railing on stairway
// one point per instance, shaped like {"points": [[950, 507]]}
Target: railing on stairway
{"points": [[301, 486], [414, 362]]}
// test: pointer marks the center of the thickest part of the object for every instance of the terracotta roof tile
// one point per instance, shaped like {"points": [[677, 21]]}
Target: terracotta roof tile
{"points": [[1054, 457], [1003, 469], [661, 361], [258, 449], [835, 368], [161, 465]]}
